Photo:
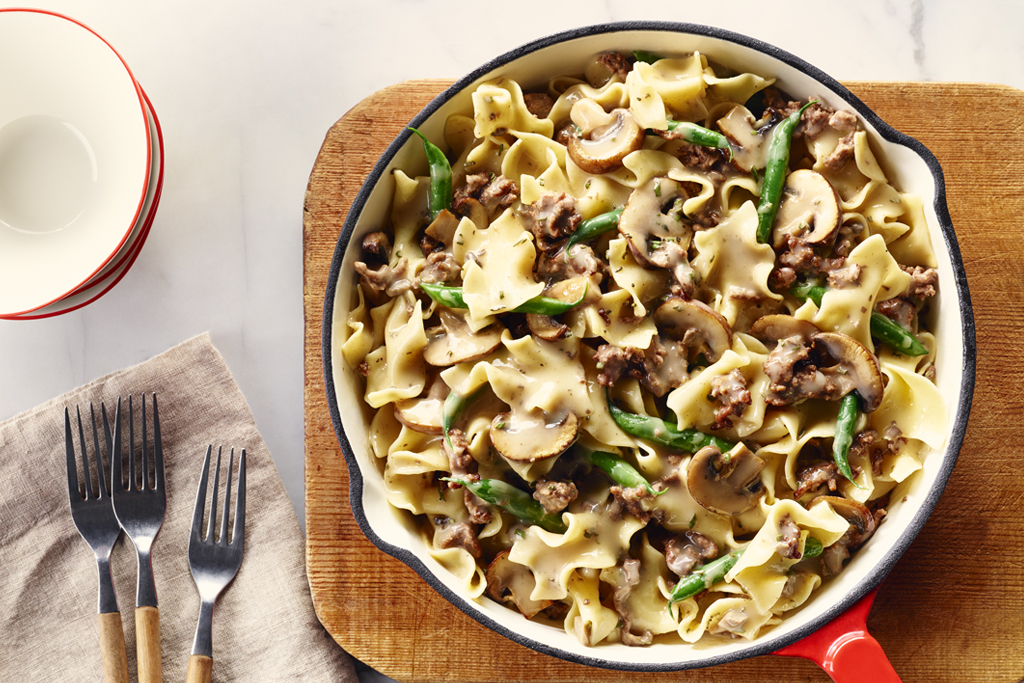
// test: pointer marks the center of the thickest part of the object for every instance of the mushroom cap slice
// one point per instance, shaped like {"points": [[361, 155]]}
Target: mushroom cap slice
{"points": [[778, 326], [570, 290], [508, 580], [809, 209], [658, 237], [726, 483], [471, 209], [545, 327], [453, 342], [677, 316], [529, 439], [750, 145], [861, 520], [856, 366], [604, 139], [443, 228], [421, 415]]}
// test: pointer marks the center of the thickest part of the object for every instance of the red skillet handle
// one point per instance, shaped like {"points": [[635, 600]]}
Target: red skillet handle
{"points": [[845, 649]]}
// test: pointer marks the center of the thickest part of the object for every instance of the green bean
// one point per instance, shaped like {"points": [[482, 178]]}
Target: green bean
{"points": [[592, 227], [444, 295], [699, 135], [620, 471], [455, 405], [645, 56], [845, 423], [714, 571], [452, 297], [892, 334], [514, 501], [775, 172], [808, 290], [657, 430], [705, 577], [886, 330], [440, 196]]}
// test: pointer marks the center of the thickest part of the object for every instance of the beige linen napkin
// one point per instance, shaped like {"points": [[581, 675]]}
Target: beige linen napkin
{"points": [[264, 626]]}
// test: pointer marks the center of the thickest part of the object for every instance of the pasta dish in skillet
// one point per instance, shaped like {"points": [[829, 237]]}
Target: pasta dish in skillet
{"points": [[647, 351]]}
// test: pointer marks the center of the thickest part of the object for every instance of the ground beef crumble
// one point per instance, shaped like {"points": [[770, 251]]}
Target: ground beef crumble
{"points": [[551, 219], [493, 193], [554, 496], [460, 535], [616, 63], [732, 395], [688, 552]]}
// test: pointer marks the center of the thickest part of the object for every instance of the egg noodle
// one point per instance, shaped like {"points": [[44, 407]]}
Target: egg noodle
{"points": [[584, 415]]}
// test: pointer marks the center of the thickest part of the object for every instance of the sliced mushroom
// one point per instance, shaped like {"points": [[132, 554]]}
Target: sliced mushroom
{"points": [[658, 237], [862, 522], [545, 327], [421, 414], [509, 581], [809, 209], [471, 209], [529, 439], [862, 526], [679, 318], [776, 327], [856, 368], [443, 228], [604, 139], [726, 483], [453, 342], [570, 290], [750, 144]]}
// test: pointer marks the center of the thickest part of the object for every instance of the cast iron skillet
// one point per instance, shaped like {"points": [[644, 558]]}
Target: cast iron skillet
{"points": [[830, 630]]}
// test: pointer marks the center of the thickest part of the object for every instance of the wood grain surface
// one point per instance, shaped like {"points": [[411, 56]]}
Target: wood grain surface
{"points": [[953, 607]]}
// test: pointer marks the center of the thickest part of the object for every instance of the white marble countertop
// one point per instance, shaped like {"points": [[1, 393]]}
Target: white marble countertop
{"points": [[246, 90]]}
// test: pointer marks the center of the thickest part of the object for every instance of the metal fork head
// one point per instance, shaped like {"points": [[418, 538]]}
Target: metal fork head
{"points": [[214, 559], [140, 501], [91, 507], [140, 478]]}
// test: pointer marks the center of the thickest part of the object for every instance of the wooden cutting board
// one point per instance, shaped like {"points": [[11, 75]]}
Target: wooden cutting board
{"points": [[953, 607]]}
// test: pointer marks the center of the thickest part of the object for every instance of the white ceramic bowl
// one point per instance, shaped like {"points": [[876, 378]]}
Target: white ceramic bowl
{"points": [[75, 156], [912, 168], [117, 267]]}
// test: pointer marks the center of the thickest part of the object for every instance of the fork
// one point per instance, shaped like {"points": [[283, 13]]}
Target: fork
{"points": [[94, 517], [213, 562], [140, 509]]}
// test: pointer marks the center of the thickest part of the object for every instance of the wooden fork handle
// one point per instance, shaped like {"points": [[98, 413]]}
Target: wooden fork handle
{"points": [[147, 643], [200, 668], [115, 659]]}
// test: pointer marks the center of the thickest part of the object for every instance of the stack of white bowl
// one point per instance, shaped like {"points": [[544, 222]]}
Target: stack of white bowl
{"points": [[81, 165]]}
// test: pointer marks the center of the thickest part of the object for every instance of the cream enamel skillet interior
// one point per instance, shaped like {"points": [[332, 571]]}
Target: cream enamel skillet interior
{"points": [[571, 435]]}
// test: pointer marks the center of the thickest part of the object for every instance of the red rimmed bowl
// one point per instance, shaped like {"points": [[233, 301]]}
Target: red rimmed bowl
{"points": [[75, 157], [911, 168]]}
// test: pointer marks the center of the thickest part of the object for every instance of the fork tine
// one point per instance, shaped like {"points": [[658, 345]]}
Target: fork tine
{"points": [[102, 484], [85, 456], [131, 445], [144, 486], [158, 450], [69, 445], [227, 501], [238, 533], [116, 473], [197, 516], [213, 500]]}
